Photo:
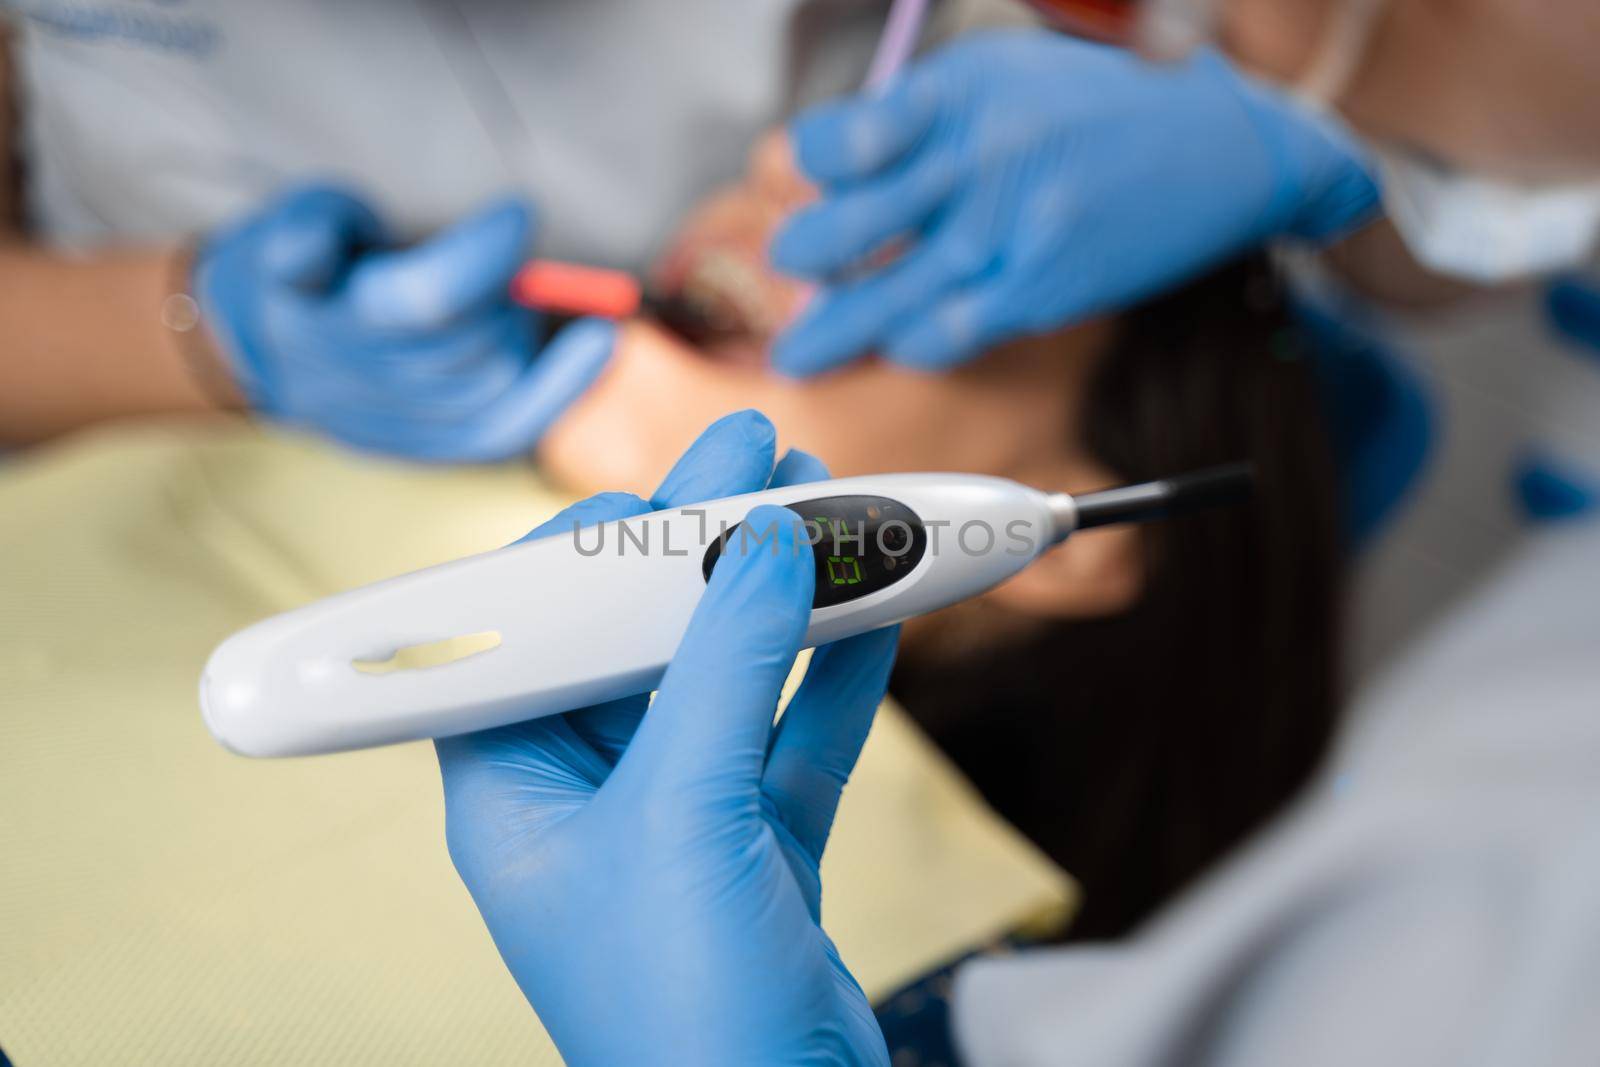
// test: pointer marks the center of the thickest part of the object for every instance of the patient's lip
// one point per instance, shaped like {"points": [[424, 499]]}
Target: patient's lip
{"points": [[672, 266]]}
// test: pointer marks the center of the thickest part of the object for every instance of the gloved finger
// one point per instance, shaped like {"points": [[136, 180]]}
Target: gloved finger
{"points": [[797, 468], [445, 387], [487, 774], [849, 320], [704, 740], [562, 371], [386, 390], [454, 350], [805, 869], [424, 378], [819, 738], [464, 269], [515, 420], [844, 228], [960, 327], [602, 507], [609, 727], [733, 455], [848, 140], [311, 234]]}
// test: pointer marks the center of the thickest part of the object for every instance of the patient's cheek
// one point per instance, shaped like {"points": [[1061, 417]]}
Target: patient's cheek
{"points": [[784, 190], [647, 407]]}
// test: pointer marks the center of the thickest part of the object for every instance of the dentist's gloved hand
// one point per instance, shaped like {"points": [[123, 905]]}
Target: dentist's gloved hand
{"points": [[651, 879], [1021, 181], [417, 352]]}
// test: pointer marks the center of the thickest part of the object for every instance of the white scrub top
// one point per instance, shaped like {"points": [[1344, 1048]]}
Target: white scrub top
{"points": [[1431, 903], [149, 119]]}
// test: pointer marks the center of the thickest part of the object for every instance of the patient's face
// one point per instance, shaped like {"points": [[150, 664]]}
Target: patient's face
{"points": [[1016, 412], [1498, 85], [1013, 413]]}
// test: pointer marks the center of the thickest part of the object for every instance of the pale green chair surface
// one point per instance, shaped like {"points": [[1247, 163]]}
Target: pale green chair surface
{"points": [[165, 902]]}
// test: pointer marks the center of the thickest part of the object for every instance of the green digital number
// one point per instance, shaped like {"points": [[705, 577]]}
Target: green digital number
{"points": [[844, 570]]}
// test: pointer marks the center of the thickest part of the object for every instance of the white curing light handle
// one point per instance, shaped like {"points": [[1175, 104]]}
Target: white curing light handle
{"points": [[553, 624]]}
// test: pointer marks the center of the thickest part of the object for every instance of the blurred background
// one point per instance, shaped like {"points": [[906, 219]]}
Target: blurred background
{"points": [[261, 340]]}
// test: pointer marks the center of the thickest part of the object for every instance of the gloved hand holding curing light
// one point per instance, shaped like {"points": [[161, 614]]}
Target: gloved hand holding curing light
{"points": [[417, 352], [651, 879], [1025, 181]]}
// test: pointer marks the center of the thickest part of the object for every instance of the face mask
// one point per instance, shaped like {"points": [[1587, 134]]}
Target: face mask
{"points": [[1455, 223], [1483, 230]]}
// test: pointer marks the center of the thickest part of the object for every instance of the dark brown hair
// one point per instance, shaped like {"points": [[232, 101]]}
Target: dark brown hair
{"points": [[1136, 749]]}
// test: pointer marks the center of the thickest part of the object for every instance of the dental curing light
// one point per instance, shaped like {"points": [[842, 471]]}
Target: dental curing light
{"points": [[589, 615]]}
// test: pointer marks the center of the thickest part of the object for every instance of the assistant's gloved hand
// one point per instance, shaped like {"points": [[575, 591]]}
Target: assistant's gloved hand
{"points": [[652, 879], [417, 351], [1038, 180]]}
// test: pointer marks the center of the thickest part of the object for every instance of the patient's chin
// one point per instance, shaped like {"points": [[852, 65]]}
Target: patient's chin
{"points": [[648, 405], [739, 352]]}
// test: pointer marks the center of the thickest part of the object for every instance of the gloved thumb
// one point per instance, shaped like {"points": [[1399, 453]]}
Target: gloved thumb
{"points": [[313, 232], [706, 734], [461, 270]]}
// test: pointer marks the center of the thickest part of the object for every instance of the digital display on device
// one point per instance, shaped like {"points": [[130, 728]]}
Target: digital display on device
{"points": [[861, 544]]}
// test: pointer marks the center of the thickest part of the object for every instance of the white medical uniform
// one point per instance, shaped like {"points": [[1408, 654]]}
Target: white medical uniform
{"points": [[148, 119]]}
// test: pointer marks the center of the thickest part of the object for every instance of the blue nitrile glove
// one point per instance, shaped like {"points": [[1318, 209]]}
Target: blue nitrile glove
{"points": [[652, 879], [417, 352], [1037, 180]]}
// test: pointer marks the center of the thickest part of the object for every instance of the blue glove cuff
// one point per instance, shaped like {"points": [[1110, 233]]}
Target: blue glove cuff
{"points": [[229, 318]]}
